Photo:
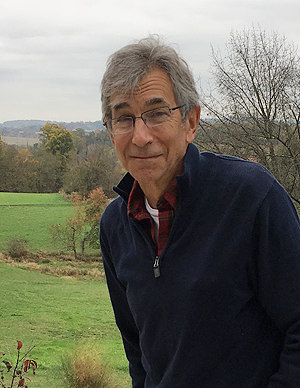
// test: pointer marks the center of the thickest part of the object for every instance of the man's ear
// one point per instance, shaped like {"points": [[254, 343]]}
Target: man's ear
{"points": [[192, 122]]}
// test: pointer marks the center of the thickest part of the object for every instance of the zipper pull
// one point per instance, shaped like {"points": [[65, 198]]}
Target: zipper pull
{"points": [[156, 267]]}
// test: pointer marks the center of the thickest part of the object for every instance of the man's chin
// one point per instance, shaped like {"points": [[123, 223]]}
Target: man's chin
{"points": [[145, 176]]}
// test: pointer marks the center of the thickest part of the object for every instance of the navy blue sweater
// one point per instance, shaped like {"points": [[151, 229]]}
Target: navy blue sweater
{"points": [[225, 310]]}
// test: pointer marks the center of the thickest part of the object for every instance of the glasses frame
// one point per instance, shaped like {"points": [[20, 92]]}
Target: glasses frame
{"points": [[108, 123]]}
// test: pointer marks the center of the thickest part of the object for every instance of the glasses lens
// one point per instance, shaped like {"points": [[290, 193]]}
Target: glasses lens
{"points": [[156, 116], [151, 118], [121, 124]]}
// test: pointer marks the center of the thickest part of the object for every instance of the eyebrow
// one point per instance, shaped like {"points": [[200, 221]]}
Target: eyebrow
{"points": [[154, 101], [149, 103], [121, 105]]}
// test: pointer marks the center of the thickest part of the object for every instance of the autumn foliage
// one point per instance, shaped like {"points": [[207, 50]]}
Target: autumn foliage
{"points": [[83, 227], [15, 372]]}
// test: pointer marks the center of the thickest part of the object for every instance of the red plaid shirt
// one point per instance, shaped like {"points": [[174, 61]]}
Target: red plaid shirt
{"points": [[166, 212]]}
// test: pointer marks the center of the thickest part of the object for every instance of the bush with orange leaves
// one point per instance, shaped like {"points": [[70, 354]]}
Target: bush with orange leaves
{"points": [[82, 227], [15, 372]]}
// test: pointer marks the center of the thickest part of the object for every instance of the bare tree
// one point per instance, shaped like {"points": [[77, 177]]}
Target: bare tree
{"points": [[254, 104]]}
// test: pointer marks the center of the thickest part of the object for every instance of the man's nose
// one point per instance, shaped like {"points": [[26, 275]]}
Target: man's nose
{"points": [[141, 133]]}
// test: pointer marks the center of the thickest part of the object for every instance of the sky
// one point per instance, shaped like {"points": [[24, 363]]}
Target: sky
{"points": [[53, 53]]}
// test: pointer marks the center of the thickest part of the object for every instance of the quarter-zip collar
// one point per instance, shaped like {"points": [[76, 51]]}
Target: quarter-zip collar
{"points": [[192, 177]]}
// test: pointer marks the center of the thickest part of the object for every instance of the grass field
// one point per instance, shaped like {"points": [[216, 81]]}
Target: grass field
{"points": [[59, 315], [20, 141], [29, 216]]}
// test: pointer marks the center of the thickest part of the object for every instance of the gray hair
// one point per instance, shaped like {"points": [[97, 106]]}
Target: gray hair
{"points": [[127, 66]]}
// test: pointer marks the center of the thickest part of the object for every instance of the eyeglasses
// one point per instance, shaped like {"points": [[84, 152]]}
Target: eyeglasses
{"points": [[152, 118]]}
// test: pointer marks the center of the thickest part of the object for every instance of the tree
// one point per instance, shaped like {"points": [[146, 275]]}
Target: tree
{"points": [[100, 137], [17, 170], [95, 205], [49, 173], [57, 139], [79, 140], [8, 168], [254, 104], [26, 165], [97, 166], [83, 226]]}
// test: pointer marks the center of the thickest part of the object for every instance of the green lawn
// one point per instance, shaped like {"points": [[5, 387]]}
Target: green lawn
{"points": [[29, 216], [59, 315]]}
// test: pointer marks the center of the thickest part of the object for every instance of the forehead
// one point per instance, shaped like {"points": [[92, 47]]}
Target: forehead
{"points": [[154, 88]]}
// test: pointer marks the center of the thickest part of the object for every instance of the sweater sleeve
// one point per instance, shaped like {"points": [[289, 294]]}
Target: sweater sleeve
{"points": [[278, 282], [123, 316]]}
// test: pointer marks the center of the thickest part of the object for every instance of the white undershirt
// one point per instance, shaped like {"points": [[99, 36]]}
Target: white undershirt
{"points": [[154, 214]]}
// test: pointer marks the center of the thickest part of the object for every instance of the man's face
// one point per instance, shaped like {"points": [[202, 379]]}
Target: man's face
{"points": [[153, 156]]}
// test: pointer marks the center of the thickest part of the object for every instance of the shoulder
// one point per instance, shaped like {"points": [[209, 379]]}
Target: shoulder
{"points": [[222, 178], [250, 187], [229, 171], [236, 166], [113, 212], [206, 163], [221, 173]]}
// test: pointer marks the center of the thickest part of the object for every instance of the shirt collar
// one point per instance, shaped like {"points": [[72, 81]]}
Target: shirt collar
{"points": [[136, 203]]}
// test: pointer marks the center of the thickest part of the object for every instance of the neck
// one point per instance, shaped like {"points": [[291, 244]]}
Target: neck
{"points": [[154, 193], [156, 189]]}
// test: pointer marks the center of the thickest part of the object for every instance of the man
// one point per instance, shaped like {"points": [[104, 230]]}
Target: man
{"points": [[201, 251]]}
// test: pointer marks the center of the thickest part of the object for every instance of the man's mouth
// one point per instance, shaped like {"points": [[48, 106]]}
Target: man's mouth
{"points": [[144, 157]]}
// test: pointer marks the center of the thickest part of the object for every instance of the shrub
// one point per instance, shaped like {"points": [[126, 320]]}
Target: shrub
{"points": [[17, 247], [85, 369], [82, 227], [16, 371]]}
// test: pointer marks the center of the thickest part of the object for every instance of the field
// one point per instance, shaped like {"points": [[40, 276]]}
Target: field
{"points": [[29, 216], [20, 141], [61, 313]]}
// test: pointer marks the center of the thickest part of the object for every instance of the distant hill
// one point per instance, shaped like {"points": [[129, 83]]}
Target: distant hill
{"points": [[28, 128]]}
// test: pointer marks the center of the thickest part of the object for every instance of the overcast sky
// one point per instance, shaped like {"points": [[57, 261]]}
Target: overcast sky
{"points": [[53, 52]]}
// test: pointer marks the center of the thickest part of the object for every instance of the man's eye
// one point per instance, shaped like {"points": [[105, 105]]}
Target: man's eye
{"points": [[124, 120], [157, 114]]}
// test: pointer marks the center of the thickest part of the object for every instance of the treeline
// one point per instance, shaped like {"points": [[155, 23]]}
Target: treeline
{"points": [[31, 128], [75, 161]]}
